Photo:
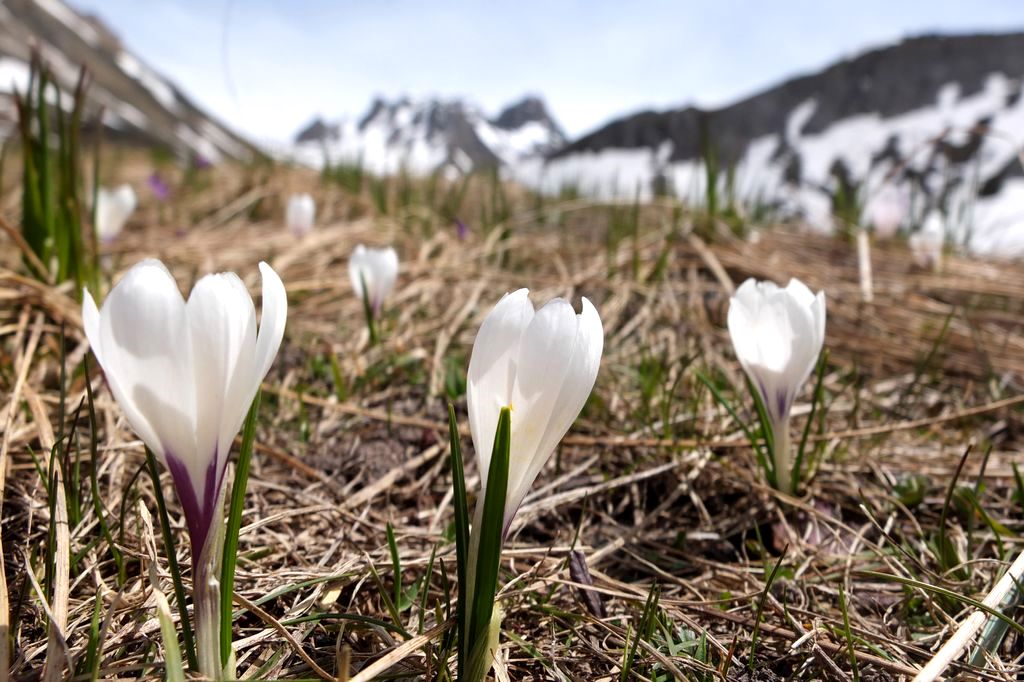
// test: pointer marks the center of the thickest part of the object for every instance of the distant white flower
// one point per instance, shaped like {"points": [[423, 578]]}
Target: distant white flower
{"points": [[378, 268], [113, 208], [543, 365], [886, 210], [926, 244], [300, 214], [778, 335], [185, 373]]}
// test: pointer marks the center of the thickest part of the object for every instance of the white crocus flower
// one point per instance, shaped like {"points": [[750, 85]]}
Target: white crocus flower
{"points": [[185, 373], [778, 334], [299, 214], [378, 268], [926, 244], [543, 366], [113, 208]]}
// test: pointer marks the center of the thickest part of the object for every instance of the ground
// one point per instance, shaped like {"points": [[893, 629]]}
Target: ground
{"points": [[910, 509]]}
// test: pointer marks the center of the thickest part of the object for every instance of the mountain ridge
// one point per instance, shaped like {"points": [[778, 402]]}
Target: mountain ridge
{"points": [[935, 120], [139, 104], [433, 133], [960, 59]]}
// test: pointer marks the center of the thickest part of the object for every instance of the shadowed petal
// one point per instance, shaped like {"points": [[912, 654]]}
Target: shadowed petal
{"points": [[91, 323], [222, 321], [272, 322], [359, 271], [542, 367], [564, 391]]}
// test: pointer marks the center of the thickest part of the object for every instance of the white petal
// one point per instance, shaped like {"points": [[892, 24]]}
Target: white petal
{"points": [[492, 370], [818, 309], [541, 369], [359, 271], [748, 294], [804, 344], [576, 343], [146, 355], [300, 213], [91, 323], [799, 291], [386, 275], [272, 322], [113, 208], [222, 321]]}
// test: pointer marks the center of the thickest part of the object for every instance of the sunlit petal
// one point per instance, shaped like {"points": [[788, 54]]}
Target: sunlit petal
{"points": [[300, 213], [541, 364], [492, 368]]}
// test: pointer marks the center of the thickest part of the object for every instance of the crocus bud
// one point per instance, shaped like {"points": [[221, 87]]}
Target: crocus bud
{"points": [[777, 334], [378, 269], [299, 214], [886, 210], [185, 373], [113, 208], [543, 366], [926, 244]]}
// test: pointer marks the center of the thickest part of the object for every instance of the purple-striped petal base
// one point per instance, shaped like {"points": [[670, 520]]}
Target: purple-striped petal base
{"points": [[198, 516]]}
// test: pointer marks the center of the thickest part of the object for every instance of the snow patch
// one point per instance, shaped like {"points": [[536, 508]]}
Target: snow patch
{"points": [[67, 16], [14, 75], [149, 79], [991, 224]]}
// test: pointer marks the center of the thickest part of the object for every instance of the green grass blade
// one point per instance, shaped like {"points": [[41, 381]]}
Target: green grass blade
{"points": [[848, 633], [91, 661], [760, 607], [491, 532], [94, 485], [461, 531], [173, 671], [230, 558], [371, 324], [949, 594], [396, 563], [764, 461], [816, 398]]}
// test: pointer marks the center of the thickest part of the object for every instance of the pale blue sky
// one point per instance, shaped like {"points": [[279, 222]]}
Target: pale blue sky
{"points": [[267, 67]]}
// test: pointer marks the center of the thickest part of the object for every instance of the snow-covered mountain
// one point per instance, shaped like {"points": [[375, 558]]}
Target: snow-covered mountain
{"points": [[932, 125], [433, 134], [139, 105]]}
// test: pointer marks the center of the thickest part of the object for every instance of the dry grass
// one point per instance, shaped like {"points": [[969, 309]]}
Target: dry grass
{"points": [[653, 486]]}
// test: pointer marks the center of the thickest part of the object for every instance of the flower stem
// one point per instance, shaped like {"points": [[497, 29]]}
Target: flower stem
{"points": [[782, 452], [229, 553], [172, 562], [369, 311], [206, 588], [206, 601]]}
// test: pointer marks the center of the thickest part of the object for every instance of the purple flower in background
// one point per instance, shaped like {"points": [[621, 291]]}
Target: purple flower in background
{"points": [[461, 230], [200, 162], [158, 187]]}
